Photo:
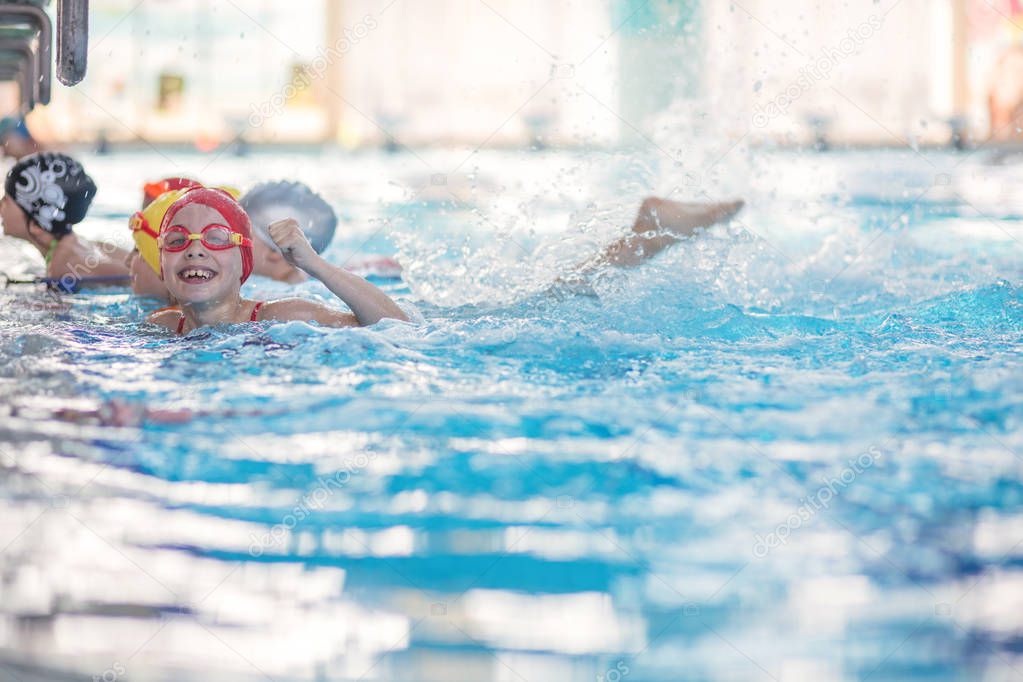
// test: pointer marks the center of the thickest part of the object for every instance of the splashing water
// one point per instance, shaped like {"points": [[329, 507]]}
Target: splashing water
{"points": [[787, 447]]}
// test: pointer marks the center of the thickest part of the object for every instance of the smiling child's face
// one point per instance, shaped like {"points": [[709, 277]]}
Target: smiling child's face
{"points": [[200, 274]]}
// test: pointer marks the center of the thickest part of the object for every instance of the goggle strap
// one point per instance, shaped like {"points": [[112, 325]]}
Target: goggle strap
{"points": [[140, 224]]}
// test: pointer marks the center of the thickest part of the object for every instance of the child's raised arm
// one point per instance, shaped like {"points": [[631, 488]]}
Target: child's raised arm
{"points": [[367, 301]]}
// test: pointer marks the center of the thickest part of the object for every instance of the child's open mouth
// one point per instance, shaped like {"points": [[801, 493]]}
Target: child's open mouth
{"points": [[195, 275]]}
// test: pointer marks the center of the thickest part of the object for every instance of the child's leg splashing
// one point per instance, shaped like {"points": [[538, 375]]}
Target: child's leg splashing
{"points": [[660, 223]]}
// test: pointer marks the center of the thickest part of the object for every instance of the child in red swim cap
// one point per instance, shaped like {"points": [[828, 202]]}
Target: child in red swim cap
{"points": [[206, 254], [265, 203]]}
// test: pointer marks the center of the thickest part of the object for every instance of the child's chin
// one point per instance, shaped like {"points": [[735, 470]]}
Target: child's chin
{"points": [[187, 295]]}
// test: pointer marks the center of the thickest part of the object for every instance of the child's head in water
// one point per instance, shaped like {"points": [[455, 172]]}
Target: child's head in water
{"points": [[269, 202], [145, 225], [205, 247], [152, 191], [205, 242], [45, 195], [265, 203]]}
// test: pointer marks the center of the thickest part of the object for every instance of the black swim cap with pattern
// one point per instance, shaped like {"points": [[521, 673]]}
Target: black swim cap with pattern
{"points": [[53, 189]]}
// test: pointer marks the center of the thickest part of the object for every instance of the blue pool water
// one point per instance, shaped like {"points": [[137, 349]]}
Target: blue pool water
{"points": [[789, 449]]}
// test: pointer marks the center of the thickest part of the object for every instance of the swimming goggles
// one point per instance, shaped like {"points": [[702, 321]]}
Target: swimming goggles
{"points": [[214, 237]]}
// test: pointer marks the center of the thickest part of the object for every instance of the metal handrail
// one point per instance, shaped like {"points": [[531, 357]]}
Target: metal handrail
{"points": [[23, 76], [35, 16], [29, 66], [31, 39]]}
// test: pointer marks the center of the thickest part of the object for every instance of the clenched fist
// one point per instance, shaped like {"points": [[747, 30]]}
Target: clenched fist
{"points": [[292, 242]]}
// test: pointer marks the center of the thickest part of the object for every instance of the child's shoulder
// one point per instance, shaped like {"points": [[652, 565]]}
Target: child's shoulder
{"points": [[290, 308], [166, 317], [304, 310], [80, 259]]}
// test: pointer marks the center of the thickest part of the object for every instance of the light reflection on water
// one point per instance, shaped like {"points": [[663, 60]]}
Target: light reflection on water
{"points": [[721, 469]]}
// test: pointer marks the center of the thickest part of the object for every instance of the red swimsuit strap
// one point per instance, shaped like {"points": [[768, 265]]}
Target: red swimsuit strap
{"points": [[181, 324]]}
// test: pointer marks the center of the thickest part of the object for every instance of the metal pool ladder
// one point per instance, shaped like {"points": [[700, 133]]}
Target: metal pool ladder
{"points": [[26, 37]]}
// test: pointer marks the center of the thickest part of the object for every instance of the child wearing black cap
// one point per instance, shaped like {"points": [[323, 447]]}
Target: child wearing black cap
{"points": [[46, 194]]}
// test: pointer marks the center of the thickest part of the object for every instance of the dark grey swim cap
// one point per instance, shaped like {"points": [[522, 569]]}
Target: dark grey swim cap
{"points": [[269, 202]]}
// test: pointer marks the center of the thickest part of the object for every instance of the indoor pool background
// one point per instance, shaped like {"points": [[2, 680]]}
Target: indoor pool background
{"points": [[788, 449]]}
